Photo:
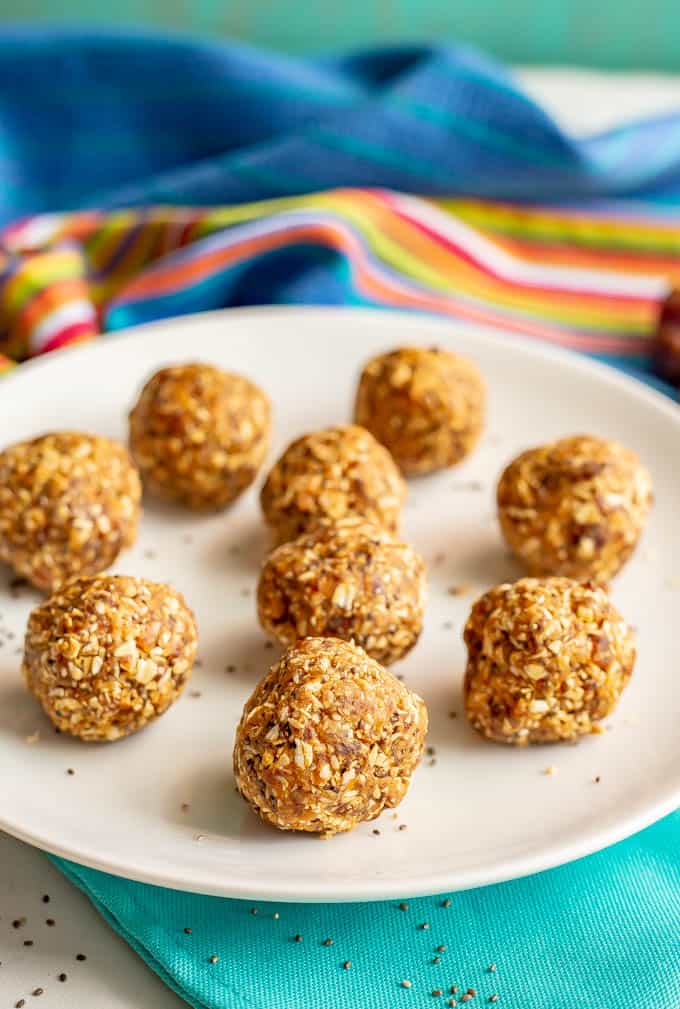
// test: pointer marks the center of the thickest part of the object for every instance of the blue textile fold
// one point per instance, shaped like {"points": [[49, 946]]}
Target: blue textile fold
{"points": [[88, 119]]}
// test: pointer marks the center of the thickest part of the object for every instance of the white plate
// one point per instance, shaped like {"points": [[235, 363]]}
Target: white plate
{"points": [[481, 813]]}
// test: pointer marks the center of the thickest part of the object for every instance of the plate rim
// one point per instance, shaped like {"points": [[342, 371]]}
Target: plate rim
{"points": [[442, 881]]}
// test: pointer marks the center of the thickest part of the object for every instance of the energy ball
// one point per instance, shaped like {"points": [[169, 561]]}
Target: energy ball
{"points": [[426, 405], [106, 655], [575, 507], [69, 503], [199, 435], [350, 580], [548, 658], [329, 475], [328, 739]]}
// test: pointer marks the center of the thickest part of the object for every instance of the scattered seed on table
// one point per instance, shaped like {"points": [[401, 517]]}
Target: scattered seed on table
{"points": [[375, 831], [46, 898], [441, 949], [432, 761], [453, 714], [276, 916], [491, 968], [69, 770], [437, 959], [28, 942], [298, 937], [80, 957], [550, 770], [493, 998], [195, 693], [187, 931], [452, 1002], [214, 959], [49, 922], [403, 906], [437, 992], [430, 751], [425, 925], [62, 977], [20, 1003], [596, 780], [405, 983], [37, 991], [471, 992], [268, 644], [18, 922], [465, 998], [253, 910], [447, 902], [327, 942], [231, 668], [402, 826], [454, 989], [347, 964]]}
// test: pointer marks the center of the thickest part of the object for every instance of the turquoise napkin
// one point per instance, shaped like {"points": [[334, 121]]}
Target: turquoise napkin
{"points": [[601, 933]]}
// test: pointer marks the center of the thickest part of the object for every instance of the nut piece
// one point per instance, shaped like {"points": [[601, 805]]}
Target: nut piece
{"points": [[328, 739], [199, 435], [350, 580], [106, 655], [575, 507], [69, 503], [328, 475], [426, 405], [547, 659]]}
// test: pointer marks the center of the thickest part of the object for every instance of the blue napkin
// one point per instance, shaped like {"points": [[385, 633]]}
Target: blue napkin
{"points": [[91, 120], [601, 933], [133, 118]]}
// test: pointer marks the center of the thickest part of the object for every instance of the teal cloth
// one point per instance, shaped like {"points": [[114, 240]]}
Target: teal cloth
{"points": [[601, 933]]}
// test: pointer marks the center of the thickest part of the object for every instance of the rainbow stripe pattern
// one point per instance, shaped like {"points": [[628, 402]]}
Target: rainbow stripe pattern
{"points": [[588, 279]]}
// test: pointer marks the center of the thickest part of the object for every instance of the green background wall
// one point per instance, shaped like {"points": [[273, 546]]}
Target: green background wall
{"points": [[607, 33]]}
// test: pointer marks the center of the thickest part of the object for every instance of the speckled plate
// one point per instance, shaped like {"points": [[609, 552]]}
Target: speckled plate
{"points": [[161, 806]]}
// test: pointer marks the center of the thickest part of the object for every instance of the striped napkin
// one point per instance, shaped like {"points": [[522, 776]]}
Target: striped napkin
{"points": [[591, 279]]}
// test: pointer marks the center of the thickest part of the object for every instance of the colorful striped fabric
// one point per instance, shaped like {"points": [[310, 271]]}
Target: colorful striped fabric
{"points": [[587, 279]]}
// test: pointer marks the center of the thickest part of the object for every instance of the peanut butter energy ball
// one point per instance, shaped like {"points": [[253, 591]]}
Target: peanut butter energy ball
{"points": [[547, 659], [426, 405], [350, 580], [106, 655], [328, 739], [69, 503], [575, 507], [199, 435], [330, 474]]}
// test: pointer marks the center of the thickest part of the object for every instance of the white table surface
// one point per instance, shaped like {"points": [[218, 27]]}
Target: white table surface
{"points": [[112, 976]]}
